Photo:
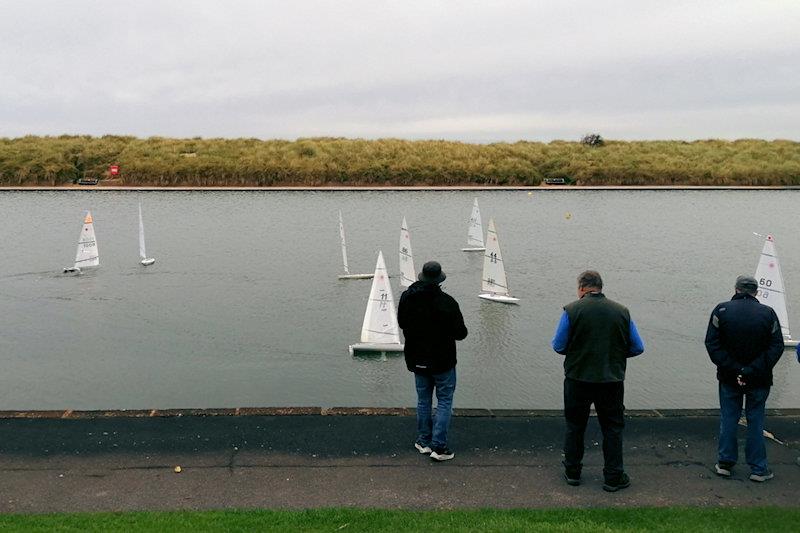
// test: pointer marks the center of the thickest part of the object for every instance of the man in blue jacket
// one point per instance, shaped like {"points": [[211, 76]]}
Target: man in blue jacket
{"points": [[432, 323], [744, 340], [597, 336]]}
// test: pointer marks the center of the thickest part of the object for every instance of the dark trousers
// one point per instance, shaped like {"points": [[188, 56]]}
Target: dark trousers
{"points": [[607, 399]]}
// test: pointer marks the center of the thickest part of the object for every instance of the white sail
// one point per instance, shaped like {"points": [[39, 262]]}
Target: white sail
{"points": [[494, 284], [380, 320], [347, 274], [87, 254], [407, 272], [494, 274], [770, 284], [475, 229], [142, 252], [344, 244]]}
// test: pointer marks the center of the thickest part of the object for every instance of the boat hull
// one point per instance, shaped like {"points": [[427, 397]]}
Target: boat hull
{"points": [[147, 262], [473, 249], [72, 270], [499, 298], [376, 347], [790, 343], [356, 276]]}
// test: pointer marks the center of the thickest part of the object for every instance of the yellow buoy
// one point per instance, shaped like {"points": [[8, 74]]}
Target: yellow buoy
{"points": [[178, 469], [568, 215], [530, 193]]}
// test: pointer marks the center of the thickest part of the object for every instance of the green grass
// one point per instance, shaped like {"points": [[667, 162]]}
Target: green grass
{"points": [[158, 161], [347, 520]]}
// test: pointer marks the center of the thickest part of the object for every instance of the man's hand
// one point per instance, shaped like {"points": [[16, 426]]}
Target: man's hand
{"points": [[744, 376]]}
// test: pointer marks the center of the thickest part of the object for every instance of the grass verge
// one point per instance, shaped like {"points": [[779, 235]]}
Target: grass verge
{"points": [[348, 520]]}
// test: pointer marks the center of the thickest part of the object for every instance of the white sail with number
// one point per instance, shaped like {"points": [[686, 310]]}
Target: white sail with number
{"points": [[87, 254], [380, 331], [407, 273], [475, 231], [770, 284], [494, 283], [380, 319]]}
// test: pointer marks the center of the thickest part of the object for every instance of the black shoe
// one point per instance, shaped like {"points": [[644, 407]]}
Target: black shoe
{"points": [[442, 454], [572, 475], [572, 478], [622, 482]]}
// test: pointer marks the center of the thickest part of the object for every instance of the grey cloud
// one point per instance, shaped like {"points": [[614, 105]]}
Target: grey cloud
{"points": [[268, 70]]}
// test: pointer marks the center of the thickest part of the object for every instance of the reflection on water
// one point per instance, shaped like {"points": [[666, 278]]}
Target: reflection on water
{"points": [[243, 307]]}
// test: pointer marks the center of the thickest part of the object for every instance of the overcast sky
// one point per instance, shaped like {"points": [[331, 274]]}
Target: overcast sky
{"points": [[474, 71]]}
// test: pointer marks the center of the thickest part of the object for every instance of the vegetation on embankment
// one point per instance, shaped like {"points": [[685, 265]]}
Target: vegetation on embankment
{"points": [[158, 161]]}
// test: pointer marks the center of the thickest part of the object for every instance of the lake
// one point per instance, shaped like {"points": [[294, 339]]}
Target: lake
{"points": [[243, 307]]}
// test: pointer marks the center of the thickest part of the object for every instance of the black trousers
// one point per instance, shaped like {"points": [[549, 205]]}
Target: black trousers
{"points": [[608, 402]]}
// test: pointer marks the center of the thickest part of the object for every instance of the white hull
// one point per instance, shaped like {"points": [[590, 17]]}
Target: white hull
{"points": [[356, 276], [147, 262], [473, 249], [376, 347], [499, 298], [790, 343]]}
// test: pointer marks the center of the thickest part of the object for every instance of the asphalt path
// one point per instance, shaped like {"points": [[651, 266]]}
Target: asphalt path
{"points": [[118, 463]]}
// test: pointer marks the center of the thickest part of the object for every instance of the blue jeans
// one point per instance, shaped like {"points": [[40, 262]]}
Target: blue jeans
{"points": [[433, 431], [730, 409]]}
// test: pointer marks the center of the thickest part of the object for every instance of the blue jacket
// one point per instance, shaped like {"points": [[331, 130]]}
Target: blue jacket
{"points": [[559, 342]]}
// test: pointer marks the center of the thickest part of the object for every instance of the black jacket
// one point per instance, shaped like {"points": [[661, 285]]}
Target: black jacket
{"points": [[744, 337], [432, 323]]}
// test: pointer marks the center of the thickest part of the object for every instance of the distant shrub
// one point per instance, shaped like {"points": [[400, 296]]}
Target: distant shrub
{"points": [[592, 139]]}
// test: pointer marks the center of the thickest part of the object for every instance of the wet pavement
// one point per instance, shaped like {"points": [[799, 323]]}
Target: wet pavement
{"points": [[66, 462]]}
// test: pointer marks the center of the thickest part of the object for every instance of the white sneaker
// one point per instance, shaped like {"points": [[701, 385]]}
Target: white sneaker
{"points": [[422, 449], [442, 455], [723, 470], [760, 478]]}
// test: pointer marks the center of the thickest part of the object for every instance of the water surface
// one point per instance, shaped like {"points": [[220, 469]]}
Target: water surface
{"points": [[243, 308]]}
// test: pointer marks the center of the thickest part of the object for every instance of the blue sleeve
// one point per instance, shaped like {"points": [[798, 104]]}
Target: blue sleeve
{"points": [[561, 337], [637, 345]]}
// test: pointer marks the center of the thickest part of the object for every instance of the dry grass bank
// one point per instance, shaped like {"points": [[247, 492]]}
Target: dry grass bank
{"points": [[158, 161]]}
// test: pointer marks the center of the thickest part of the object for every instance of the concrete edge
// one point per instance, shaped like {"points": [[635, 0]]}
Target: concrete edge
{"points": [[421, 188], [346, 411]]}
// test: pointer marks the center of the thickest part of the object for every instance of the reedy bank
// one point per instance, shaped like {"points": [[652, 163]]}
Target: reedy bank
{"points": [[158, 161]]}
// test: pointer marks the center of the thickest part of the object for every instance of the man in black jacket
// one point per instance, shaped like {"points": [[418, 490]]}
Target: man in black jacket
{"points": [[431, 322], [744, 340]]}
